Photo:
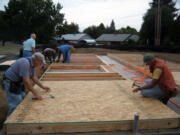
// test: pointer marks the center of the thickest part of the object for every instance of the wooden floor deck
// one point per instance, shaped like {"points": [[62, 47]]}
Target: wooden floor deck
{"points": [[83, 59], [84, 106], [87, 106]]}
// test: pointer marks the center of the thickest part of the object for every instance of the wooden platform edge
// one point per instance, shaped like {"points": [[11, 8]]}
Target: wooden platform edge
{"points": [[75, 66], [103, 61], [44, 73], [38, 128]]}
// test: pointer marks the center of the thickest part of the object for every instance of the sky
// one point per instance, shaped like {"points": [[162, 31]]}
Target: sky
{"points": [[86, 13]]}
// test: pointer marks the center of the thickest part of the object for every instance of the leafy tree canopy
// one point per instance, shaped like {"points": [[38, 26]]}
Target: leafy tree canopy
{"points": [[168, 14], [96, 31], [128, 30], [24, 17], [66, 28]]}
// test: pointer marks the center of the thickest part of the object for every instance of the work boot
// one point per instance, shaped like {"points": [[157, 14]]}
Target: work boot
{"points": [[164, 100]]}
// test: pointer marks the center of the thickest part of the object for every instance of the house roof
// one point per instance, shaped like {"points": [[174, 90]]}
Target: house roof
{"points": [[113, 37], [117, 37], [134, 37], [89, 40], [74, 36]]}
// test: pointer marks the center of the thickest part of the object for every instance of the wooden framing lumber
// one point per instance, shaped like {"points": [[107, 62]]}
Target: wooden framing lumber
{"points": [[82, 106], [70, 74], [83, 59], [51, 76], [70, 127], [64, 74], [75, 67], [85, 104]]}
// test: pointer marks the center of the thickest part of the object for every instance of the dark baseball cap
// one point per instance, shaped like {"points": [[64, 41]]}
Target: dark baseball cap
{"points": [[148, 58]]}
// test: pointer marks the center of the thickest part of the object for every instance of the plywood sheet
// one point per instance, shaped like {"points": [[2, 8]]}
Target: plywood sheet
{"points": [[83, 59], [136, 60], [132, 59], [9, 62], [82, 106], [176, 77]]}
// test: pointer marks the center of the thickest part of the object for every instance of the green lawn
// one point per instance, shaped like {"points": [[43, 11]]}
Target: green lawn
{"points": [[9, 49]]}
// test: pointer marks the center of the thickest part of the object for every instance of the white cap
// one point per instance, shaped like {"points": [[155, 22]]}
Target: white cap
{"points": [[39, 56]]}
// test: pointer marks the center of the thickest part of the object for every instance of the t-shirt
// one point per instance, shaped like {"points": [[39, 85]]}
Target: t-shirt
{"points": [[157, 73], [65, 48], [21, 68], [28, 44], [49, 51]]}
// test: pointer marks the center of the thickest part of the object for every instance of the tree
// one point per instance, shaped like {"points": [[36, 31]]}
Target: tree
{"points": [[176, 31], [128, 30], [26, 16], [112, 26], [111, 29], [3, 29], [168, 13], [95, 31], [66, 28]]}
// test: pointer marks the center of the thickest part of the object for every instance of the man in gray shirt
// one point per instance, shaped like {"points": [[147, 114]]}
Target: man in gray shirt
{"points": [[18, 75]]}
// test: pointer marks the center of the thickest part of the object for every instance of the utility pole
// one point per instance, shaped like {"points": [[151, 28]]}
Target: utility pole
{"points": [[158, 24]]}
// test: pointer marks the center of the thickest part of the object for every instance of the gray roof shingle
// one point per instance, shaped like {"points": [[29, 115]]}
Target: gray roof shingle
{"points": [[74, 36], [134, 37], [113, 37]]}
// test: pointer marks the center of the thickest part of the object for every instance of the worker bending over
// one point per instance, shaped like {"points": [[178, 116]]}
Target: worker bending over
{"points": [[66, 51], [162, 85], [18, 76], [50, 54]]}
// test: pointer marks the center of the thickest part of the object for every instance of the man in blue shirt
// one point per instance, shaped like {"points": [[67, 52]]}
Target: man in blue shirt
{"points": [[66, 51], [18, 75], [29, 46]]}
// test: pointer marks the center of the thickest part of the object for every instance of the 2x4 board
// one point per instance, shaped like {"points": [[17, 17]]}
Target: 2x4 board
{"points": [[81, 72]]}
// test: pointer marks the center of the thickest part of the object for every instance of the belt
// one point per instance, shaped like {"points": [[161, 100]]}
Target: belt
{"points": [[8, 80], [27, 50]]}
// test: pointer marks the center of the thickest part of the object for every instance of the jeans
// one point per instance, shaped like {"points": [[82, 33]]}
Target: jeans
{"points": [[66, 56], [13, 100], [27, 53], [154, 92]]}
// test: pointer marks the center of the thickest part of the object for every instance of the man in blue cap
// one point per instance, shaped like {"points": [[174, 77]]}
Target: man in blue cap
{"points": [[162, 86]]}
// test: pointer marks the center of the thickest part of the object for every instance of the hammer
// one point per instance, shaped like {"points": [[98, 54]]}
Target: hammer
{"points": [[50, 96], [134, 84]]}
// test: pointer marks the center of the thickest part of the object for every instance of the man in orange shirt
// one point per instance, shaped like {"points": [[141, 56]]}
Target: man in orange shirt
{"points": [[162, 85]]}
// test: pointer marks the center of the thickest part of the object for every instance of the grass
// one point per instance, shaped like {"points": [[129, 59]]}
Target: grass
{"points": [[14, 49]]}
